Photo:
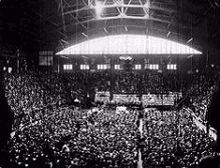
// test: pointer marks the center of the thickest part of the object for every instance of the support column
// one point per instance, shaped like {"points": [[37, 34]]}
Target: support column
{"points": [[111, 78]]}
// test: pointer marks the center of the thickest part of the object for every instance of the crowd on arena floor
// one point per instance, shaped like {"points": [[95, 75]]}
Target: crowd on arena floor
{"points": [[65, 137], [46, 133], [173, 140]]}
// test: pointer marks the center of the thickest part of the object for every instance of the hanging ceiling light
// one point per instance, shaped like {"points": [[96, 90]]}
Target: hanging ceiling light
{"points": [[99, 5]]}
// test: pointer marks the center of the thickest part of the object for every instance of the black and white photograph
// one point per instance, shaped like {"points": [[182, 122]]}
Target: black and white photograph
{"points": [[109, 83]]}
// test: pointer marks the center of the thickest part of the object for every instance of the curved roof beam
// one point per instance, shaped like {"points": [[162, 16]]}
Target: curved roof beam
{"points": [[86, 8], [125, 17]]}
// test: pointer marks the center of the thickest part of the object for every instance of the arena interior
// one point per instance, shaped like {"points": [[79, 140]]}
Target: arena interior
{"points": [[109, 83]]}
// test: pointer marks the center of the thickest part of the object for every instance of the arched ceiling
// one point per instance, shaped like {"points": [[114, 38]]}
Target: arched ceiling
{"points": [[178, 20], [65, 22], [118, 16]]}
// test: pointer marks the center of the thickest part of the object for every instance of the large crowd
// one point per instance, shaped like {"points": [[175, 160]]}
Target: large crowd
{"points": [[47, 131], [67, 137], [141, 82], [25, 95], [201, 90], [172, 139]]}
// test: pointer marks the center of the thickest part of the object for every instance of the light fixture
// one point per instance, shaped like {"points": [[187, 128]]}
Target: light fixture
{"points": [[125, 58], [99, 8], [64, 41], [168, 34], [147, 4], [105, 30], [85, 35], [126, 29], [189, 40]]}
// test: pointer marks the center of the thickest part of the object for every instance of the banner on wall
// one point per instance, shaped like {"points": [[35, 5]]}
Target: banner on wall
{"points": [[102, 97], [146, 99], [158, 99], [125, 98]]}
